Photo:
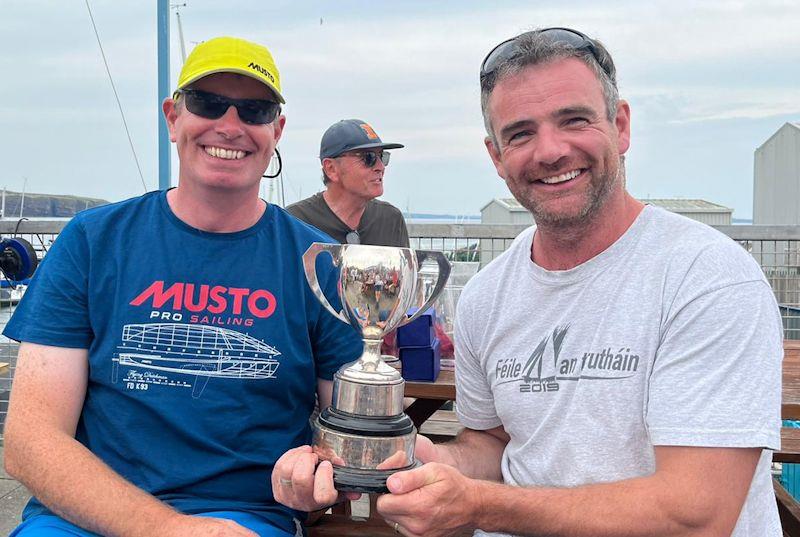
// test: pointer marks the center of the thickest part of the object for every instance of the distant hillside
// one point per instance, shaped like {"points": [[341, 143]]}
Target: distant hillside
{"points": [[47, 205]]}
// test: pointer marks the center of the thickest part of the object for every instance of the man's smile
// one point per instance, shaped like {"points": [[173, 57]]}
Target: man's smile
{"points": [[562, 178], [227, 154]]}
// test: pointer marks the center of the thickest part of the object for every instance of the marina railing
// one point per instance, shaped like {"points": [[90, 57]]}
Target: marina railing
{"points": [[470, 247], [775, 248]]}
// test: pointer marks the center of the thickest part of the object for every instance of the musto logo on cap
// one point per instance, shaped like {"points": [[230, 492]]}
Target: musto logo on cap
{"points": [[262, 71], [371, 134]]}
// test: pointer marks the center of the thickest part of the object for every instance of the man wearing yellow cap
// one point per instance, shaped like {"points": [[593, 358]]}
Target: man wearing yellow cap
{"points": [[171, 348]]}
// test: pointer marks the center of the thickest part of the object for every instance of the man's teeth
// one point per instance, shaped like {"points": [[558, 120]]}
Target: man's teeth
{"points": [[561, 178], [230, 154]]}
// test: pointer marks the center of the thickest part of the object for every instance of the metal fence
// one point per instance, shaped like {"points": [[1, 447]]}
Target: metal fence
{"points": [[40, 234], [775, 248], [472, 246]]}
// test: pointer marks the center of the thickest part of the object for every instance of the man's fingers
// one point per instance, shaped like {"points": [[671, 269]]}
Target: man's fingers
{"points": [[404, 482], [424, 449], [324, 493], [295, 451], [303, 475], [284, 467], [397, 460]]}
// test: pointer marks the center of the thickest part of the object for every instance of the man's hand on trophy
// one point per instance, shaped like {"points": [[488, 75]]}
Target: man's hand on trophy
{"points": [[426, 451], [396, 460], [298, 482], [434, 500]]}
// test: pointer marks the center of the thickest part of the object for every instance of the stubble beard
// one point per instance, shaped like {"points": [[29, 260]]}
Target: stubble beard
{"points": [[600, 189]]}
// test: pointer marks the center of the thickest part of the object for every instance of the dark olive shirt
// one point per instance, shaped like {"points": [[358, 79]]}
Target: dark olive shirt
{"points": [[382, 224]]}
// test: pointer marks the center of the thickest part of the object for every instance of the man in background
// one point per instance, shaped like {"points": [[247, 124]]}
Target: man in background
{"points": [[354, 161]]}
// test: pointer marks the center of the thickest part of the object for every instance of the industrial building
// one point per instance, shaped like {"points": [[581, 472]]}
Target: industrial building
{"points": [[776, 178]]}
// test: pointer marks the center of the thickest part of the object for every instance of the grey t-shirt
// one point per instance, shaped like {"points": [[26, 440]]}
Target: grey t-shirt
{"points": [[670, 337], [382, 224]]}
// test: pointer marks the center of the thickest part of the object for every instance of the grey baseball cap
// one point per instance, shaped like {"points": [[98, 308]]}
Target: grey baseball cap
{"points": [[349, 135]]}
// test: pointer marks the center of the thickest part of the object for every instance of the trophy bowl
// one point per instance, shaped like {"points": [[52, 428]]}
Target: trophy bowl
{"points": [[365, 433]]}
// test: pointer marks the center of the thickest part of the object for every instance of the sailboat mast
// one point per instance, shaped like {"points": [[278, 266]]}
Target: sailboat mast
{"points": [[180, 29], [22, 199]]}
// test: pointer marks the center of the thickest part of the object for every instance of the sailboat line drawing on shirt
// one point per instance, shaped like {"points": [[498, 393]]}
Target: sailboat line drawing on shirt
{"points": [[198, 350], [536, 358]]}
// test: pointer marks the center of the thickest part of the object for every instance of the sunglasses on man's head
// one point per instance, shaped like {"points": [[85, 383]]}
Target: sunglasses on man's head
{"points": [[370, 158], [509, 48], [213, 106]]}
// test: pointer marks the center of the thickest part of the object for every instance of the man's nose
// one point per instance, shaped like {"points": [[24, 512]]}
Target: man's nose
{"points": [[229, 125], [550, 145]]}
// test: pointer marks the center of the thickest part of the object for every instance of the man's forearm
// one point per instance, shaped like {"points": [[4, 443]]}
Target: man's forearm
{"points": [[641, 507], [476, 454], [72, 482]]}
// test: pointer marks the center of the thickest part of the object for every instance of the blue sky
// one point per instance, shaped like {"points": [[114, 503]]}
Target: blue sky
{"points": [[708, 82]]}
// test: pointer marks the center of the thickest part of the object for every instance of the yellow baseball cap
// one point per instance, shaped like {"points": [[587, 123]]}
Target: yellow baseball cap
{"points": [[231, 55]]}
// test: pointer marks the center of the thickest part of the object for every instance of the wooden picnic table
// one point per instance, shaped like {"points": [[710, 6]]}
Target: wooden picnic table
{"points": [[430, 396], [790, 397]]}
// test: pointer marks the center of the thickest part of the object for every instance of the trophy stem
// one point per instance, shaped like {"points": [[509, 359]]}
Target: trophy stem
{"points": [[372, 353]]}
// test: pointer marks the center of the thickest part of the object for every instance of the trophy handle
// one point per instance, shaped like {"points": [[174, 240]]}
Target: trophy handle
{"points": [[444, 273], [310, 266]]}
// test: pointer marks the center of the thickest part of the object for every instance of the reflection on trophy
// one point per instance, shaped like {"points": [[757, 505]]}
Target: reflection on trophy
{"points": [[364, 433]]}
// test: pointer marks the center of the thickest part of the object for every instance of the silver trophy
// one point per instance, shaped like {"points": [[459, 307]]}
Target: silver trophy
{"points": [[365, 433]]}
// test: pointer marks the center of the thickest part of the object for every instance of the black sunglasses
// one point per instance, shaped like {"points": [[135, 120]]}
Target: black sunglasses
{"points": [[370, 158], [213, 106], [508, 49], [352, 237]]}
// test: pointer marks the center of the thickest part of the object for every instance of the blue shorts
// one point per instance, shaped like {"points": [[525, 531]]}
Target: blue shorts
{"points": [[51, 525]]}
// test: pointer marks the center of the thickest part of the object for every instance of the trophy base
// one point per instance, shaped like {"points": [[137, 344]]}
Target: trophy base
{"points": [[365, 481]]}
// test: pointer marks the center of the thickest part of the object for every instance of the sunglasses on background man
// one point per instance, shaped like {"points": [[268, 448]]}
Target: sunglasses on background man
{"points": [[369, 158]]}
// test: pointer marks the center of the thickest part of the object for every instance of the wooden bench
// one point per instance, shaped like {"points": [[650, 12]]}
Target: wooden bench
{"points": [[788, 510], [442, 426], [790, 446]]}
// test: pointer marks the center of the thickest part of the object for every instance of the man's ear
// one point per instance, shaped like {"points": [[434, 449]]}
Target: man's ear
{"points": [[170, 114], [278, 126], [494, 153], [331, 169], [623, 124]]}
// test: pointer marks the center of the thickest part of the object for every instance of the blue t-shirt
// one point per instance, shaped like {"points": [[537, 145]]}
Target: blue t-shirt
{"points": [[204, 348]]}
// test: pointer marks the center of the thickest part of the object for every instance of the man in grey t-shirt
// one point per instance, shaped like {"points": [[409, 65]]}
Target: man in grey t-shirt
{"points": [[618, 368], [354, 160]]}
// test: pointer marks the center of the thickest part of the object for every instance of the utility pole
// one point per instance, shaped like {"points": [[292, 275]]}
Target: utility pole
{"points": [[164, 148]]}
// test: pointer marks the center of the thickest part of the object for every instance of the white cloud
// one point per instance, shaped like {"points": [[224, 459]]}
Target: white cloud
{"points": [[409, 68]]}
